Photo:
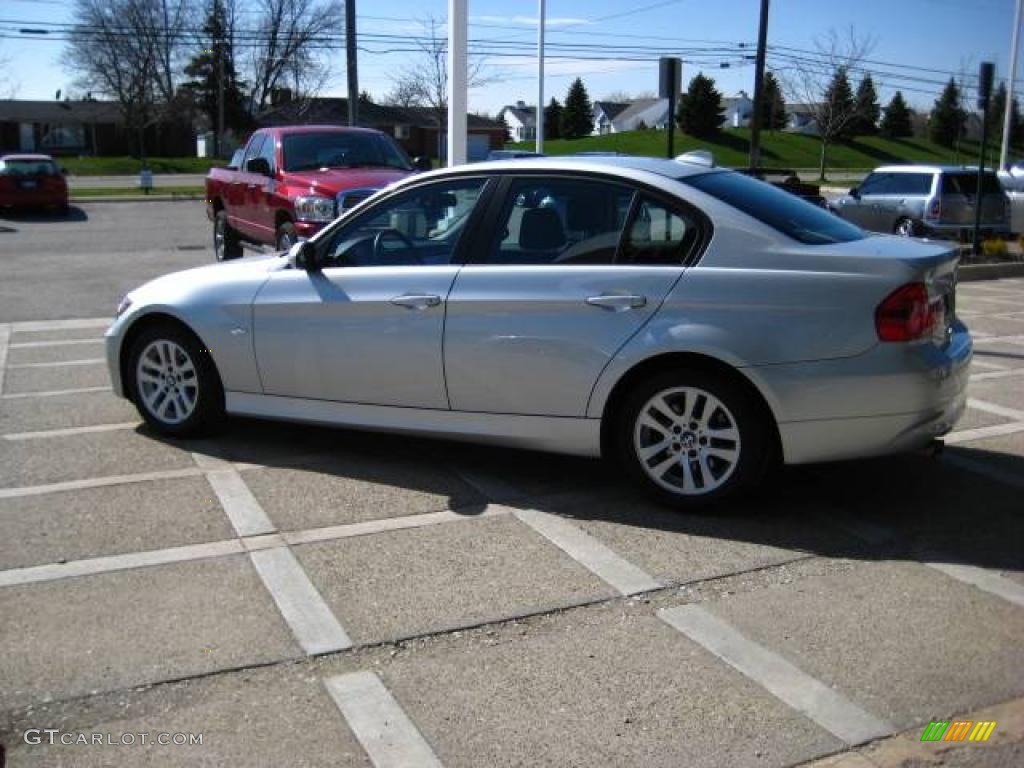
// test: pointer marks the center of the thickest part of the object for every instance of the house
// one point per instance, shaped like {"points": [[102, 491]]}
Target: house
{"points": [[415, 128], [800, 118], [521, 121], [738, 110], [637, 114], [605, 113], [85, 127]]}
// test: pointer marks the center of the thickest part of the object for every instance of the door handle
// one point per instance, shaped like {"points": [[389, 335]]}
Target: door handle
{"points": [[617, 302], [416, 300]]}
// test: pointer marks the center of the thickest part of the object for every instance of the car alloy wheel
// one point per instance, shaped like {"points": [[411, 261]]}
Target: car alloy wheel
{"points": [[219, 237], [905, 228], [687, 441], [166, 382]]}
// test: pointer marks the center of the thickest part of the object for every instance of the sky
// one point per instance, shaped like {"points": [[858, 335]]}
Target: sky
{"points": [[916, 45]]}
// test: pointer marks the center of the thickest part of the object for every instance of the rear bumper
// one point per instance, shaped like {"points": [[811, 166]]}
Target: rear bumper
{"points": [[896, 397], [33, 199], [962, 232]]}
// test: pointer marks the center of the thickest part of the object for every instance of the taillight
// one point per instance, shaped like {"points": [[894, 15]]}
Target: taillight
{"points": [[906, 314], [934, 211]]}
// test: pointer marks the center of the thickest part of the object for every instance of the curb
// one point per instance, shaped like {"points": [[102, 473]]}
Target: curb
{"points": [[973, 272], [136, 198]]}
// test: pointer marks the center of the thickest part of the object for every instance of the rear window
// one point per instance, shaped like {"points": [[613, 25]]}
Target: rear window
{"points": [[966, 183], [28, 168], [780, 210]]}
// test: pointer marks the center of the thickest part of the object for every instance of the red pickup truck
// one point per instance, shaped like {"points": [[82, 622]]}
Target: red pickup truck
{"points": [[291, 181]]}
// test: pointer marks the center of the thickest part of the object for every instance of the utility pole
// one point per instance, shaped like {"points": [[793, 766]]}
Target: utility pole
{"points": [[985, 76], [457, 81], [350, 62], [540, 78], [1010, 77], [755, 119], [218, 145]]}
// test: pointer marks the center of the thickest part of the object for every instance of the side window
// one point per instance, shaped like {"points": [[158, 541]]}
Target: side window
{"points": [[910, 184], [267, 153], [876, 184], [252, 149], [419, 227], [657, 235], [561, 221]]}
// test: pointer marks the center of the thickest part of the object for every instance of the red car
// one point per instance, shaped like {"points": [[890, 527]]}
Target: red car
{"points": [[289, 182], [32, 181]]}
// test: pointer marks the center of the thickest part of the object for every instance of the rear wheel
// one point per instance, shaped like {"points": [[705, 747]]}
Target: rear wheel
{"points": [[174, 382], [906, 228], [692, 438], [226, 244]]}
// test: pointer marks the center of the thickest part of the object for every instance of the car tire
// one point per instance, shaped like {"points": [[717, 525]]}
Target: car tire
{"points": [[693, 439], [226, 244], [286, 236], [905, 227], [174, 383]]}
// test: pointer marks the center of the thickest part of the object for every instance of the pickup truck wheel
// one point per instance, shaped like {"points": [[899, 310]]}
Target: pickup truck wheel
{"points": [[286, 237], [225, 240]]}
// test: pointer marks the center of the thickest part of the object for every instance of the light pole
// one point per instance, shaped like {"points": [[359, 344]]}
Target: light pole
{"points": [[350, 62], [755, 119], [457, 81], [1012, 74], [540, 77]]}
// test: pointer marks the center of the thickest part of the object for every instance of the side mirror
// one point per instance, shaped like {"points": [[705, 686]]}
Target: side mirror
{"points": [[303, 255], [258, 165], [855, 193], [422, 163]]}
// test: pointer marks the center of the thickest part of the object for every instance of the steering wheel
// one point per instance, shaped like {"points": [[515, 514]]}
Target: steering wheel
{"points": [[380, 237]]}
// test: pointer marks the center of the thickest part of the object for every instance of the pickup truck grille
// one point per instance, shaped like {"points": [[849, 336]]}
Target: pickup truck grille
{"points": [[350, 198]]}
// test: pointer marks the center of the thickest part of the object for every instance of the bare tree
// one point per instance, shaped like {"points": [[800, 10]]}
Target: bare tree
{"points": [[129, 51], [284, 46], [8, 86], [818, 81], [424, 83]]}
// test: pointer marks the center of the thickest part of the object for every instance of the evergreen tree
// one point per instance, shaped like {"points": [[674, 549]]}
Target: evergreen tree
{"points": [[553, 120], [996, 112], [700, 108], [577, 114], [839, 108], [896, 123], [947, 118], [865, 121], [773, 105], [205, 70]]}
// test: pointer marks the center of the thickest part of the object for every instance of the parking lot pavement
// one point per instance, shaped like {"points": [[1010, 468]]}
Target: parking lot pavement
{"points": [[306, 596]]}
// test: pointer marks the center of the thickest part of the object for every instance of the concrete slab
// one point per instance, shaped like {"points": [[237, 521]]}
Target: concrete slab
{"points": [[974, 418], [900, 640], [278, 716], [108, 521], [1008, 392], [334, 490], [31, 462], [675, 547], [55, 353], [81, 409], [612, 687], [443, 577], [1002, 326], [47, 379], [56, 334], [105, 632]]}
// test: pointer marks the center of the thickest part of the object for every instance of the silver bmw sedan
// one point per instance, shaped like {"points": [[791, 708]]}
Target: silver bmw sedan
{"points": [[694, 324]]}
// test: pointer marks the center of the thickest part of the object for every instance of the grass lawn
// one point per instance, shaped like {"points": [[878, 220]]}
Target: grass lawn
{"points": [[778, 149], [78, 194], [120, 166]]}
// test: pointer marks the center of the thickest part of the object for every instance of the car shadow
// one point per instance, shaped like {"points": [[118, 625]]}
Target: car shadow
{"points": [[72, 214], [904, 507]]}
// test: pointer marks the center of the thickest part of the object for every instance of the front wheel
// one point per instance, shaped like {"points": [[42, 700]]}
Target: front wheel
{"points": [[692, 438], [174, 382]]}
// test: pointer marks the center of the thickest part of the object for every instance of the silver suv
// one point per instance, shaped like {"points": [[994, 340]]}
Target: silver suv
{"points": [[926, 201]]}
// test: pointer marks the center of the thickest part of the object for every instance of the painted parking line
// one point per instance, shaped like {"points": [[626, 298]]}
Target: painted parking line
{"points": [[995, 408], [783, 679], [622, 575], [976, 363], [5, 339], [98, 482], [370, 527], [54, 343], [981, 433], [390, 738], [310, 619], [71, 431], [241, 507], [983, 579], [60, 363], [97, 565], [60, 325], [997, 374], [54, 393]]}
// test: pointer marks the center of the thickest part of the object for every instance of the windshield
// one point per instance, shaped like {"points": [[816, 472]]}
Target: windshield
{"points": [[14, 167], [777, 208], [336, 149]]}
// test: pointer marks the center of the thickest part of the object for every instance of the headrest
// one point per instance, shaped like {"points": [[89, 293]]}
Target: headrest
{"points": [[541, 230]]}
